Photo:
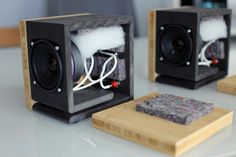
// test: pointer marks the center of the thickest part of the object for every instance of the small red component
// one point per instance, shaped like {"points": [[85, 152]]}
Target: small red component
{"points": [[214, 61], [115, 84]]}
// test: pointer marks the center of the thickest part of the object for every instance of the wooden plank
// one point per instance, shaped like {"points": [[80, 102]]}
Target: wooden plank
{"points": [[9, 37], [158, 133], [227, 85], [25, 63], [59, 16], [152, 45]]}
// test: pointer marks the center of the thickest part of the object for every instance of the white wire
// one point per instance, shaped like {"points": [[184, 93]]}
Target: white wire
{"points": [[86, 69], [79, 87], [104, 68], [202, 54], [87, 73], [92, 83], [203, 64], [203, 60]]}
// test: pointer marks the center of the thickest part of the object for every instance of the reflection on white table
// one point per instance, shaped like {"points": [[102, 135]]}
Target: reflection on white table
{"points": [[31, 134]]}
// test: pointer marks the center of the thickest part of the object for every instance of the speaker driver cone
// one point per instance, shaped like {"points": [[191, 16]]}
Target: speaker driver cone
{"points": [[176, 45], [46, 65]]}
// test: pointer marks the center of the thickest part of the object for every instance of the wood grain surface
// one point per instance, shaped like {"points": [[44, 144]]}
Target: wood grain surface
{"points": [[158, 133], [227, 85], [152, 45], [25, 63]]}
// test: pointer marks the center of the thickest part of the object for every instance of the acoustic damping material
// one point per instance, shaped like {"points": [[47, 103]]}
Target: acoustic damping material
{"points": [[89, 41], [120, 71], [213, 28], [175, 108]]}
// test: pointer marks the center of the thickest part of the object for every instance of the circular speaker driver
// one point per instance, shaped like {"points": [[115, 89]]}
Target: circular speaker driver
{"points": [[175, 44], [46, 65], [77, 65]]}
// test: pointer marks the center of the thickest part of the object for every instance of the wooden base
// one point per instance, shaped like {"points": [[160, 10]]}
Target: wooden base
{"points": [[227, 85], [9, 37], [158, 133], [25, 63], [152, 45]]}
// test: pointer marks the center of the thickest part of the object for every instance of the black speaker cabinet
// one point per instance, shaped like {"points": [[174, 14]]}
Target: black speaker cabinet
{"points": [[177, 30], [47, 53]]}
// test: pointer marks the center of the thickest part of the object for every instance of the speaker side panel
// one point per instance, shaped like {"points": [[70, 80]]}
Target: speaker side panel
{"points": [[25, 63], [152, 45], [225, 63], [58, 17]]}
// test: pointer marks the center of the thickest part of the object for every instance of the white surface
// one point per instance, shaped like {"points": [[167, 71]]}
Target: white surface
{"points": [[25, 133]]}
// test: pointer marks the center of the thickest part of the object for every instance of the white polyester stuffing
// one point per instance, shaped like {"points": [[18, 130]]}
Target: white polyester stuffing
{"points": [[213, 29], [101, 38]]}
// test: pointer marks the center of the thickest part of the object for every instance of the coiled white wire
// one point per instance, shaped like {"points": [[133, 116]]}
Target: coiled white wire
{"points": [[203, 60], [113, 56], [102, 76]]}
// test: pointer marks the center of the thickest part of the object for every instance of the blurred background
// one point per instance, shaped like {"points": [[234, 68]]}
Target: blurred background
{"points": [[13, 11]]}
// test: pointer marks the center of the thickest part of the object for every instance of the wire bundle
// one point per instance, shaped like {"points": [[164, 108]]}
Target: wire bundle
{"points": [[97, 40], [211, 29]]}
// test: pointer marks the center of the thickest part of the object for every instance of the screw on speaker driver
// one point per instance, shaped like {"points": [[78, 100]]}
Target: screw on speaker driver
{"points": [[175, 44], [46, 64]]}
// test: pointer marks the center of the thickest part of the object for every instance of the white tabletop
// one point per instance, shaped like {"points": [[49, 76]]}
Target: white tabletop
{"points": [[26, 133]]}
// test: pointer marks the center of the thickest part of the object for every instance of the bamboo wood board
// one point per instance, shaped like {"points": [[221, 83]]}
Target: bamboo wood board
{"points": [[152, 45], [25, 63], [227, 85], [157, 133]]}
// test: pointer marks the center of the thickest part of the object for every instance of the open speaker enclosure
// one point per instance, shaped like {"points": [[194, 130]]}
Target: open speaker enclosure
{"points": [[52, 37], [178, 30]]}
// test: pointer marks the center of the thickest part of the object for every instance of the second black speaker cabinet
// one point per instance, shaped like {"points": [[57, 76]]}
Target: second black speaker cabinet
{"points": [[188, 47]]}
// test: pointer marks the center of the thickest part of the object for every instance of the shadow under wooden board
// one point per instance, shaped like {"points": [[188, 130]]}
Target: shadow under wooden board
{"points": [[9, 37], [157, 133]]}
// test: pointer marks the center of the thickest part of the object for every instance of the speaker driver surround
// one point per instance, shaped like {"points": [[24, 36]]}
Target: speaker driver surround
{"points": [[175, 45], [46, 65]]}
